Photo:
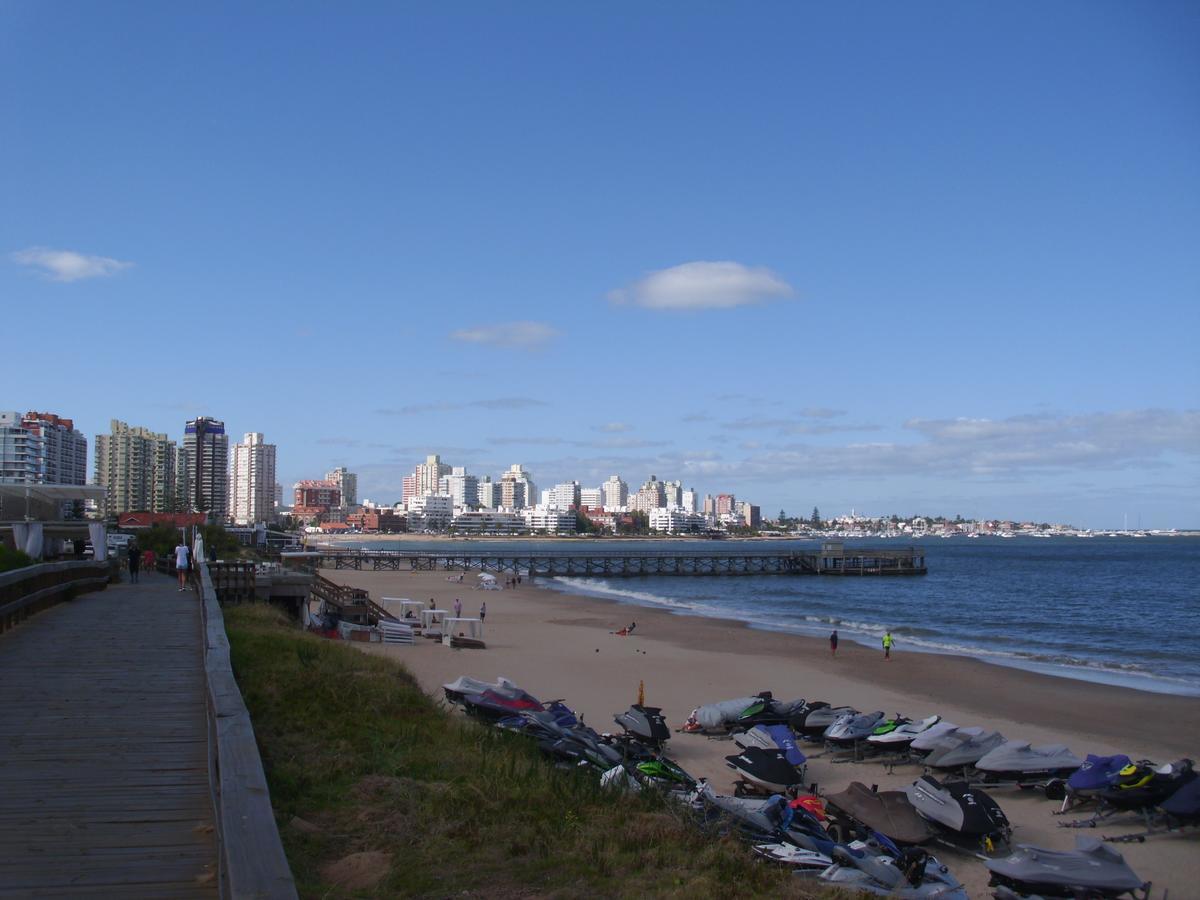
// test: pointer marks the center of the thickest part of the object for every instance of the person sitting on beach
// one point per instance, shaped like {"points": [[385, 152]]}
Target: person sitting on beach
{"points": [[409, 615]]}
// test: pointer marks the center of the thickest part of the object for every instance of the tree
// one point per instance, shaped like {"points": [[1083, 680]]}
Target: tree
{"points": [[584, 525], [815, 521], [782, 517]]}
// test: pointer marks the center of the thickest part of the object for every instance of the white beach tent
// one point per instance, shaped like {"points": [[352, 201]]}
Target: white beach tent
{"points": [[452, 628], [486, 576]]}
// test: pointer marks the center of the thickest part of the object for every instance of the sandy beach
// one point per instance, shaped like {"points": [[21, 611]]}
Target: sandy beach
{"points": [[559, 645]]}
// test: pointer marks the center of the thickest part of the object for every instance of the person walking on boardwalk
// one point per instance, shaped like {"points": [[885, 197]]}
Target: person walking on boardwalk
{"points": [[135, 561], [888, 640], [181, 564], [833, 639]]}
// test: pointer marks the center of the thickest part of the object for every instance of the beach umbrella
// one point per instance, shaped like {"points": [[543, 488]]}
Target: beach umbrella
{"points": [[487, 576]]}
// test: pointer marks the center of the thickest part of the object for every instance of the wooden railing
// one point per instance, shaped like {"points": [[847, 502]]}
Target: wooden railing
{"points": [[351, 604], [251, 858], [234, 582], [31, 589]]}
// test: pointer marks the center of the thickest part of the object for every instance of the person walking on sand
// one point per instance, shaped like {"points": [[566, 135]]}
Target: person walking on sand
{"points": [[181, 564], [888, 640], [457, 608], [833, 639], [482, 611]]}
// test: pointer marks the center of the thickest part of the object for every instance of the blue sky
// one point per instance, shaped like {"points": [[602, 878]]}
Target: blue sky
{"points": [[930, 257]]}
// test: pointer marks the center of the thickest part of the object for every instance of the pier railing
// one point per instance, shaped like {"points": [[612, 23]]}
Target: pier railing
{"points": [[618, 562]]}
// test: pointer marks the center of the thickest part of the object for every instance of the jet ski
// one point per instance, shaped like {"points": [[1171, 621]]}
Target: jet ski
{"points": [[1178, 811], [1020, 763], [912, 874], [495, 704], [852, 728], [960, 750], [962, 816], [1139, 788], [771, 820], [717, 718], [1091, 870], [812, 721], [772, 737], [797, 858], [900, 735], [928, 739], [859, 810], [646, 723], [465, 684], [766, 710], [1091, 779], [765, 771], [531, 722]]}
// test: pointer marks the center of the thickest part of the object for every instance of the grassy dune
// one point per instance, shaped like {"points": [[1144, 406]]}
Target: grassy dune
{"points": [[434, 805]]}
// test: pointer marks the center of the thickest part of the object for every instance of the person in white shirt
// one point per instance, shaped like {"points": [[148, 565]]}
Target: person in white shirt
{"points": [[181, 565]]}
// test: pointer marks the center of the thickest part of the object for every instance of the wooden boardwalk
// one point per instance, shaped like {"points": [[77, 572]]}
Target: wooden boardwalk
{"points": [[104, 782]]}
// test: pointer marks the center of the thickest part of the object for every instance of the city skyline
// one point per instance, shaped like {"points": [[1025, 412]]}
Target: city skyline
{"points": [[918, 262]]}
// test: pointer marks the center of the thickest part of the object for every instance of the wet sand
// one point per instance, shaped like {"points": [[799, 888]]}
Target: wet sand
{"points": [[559, 645]]}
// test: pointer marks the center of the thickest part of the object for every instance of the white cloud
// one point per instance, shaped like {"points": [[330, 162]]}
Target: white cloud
{"points": [[67, 265], [612, 427], [703, 285], [515, 335]]}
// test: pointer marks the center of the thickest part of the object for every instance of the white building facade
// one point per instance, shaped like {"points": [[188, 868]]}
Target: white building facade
{"points": [[252, 481]]}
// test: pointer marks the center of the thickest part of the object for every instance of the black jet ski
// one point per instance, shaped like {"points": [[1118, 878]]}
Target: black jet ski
{"points": [[766, 710], [961, 815], [646, 723], [860, 810], [1091, 870], [1138, 788], [763, 771]]}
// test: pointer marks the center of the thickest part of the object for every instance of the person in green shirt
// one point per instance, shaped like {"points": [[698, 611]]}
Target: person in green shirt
{"points": [[887, 644]]}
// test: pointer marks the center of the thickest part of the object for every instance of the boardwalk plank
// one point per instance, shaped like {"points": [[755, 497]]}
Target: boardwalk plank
{"points": [[104, 749]]}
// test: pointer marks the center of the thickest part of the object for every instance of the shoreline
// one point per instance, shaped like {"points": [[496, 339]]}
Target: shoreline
{"points": [[562, 645], [1100, 676]]}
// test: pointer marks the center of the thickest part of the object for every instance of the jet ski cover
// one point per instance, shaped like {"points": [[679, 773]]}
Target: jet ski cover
{"points": [[1092, 864], [1185, 802], [1095, 773], [1018, 756], [887, 812], [716, 716], [965, 751]]}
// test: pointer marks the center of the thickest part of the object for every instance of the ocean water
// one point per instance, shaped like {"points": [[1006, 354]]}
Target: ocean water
{"points": [[1109, 609]]}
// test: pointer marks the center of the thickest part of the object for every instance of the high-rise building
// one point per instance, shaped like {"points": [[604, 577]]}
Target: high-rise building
{"points": [[710, 506], [673, 494], [408, 488], [137, 467], [651, 495], [463, 488], [347, 482], [207, 449], [592, 498], [41, 448], [726, 505], [428, 475], [252, 481], [517, 489], [489, 494], [565, 496], [688, 501], [616, 493]]}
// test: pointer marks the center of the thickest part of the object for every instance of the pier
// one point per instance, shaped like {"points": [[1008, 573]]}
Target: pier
{"points": [[831, 559]]}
